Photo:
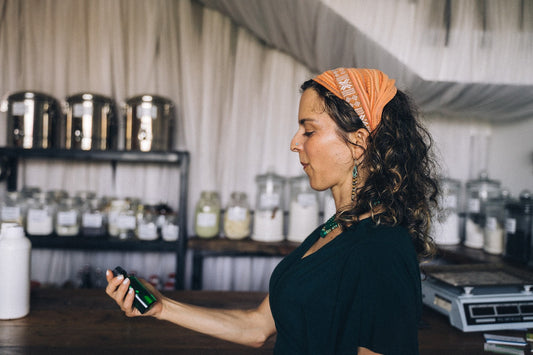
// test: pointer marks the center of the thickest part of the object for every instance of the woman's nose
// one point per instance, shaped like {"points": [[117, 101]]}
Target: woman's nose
{"points": [[294, 144]]}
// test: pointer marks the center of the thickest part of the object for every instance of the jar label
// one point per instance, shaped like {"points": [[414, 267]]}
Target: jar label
{"points": [[126, 222], [510, 225], [170, 232], [20, 108], [39, 222], [450, 202], [306, 199], [82, 109], [237, 213], [474, 205], [92, 220], [10, 213], [205, 219], [147, 231], [146, 109], [36, 215], [66, 218], [492, 224], [267, 201]]}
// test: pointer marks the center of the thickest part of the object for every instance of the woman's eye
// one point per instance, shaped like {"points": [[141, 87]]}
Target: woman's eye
{"points": [[307, 134]]}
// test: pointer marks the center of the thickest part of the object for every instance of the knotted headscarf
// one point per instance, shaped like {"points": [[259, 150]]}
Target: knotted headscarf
{"points": [[366, 90]]}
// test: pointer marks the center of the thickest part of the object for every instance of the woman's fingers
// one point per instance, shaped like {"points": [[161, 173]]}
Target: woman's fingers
{"points": [[119, 289], [127, 305]]}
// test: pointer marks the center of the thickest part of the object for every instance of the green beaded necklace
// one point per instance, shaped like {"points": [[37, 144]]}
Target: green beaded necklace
{"points": [[330, 225]]}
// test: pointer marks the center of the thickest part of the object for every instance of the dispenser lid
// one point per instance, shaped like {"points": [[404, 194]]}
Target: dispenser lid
{"points": [[155, 99], [88, 96], [30, 95]]}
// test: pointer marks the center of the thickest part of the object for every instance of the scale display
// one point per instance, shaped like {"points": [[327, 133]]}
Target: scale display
{"points": [[480, 297]]}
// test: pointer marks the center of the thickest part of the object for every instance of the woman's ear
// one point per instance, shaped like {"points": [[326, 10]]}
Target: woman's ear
{"points": [[359, 140]]}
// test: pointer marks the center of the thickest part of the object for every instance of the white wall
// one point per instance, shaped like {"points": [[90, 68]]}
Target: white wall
{"points": [[468, 146], [511, 155]]}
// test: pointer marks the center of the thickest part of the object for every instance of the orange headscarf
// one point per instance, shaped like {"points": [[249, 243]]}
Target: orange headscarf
{"points": [[366, 90]]}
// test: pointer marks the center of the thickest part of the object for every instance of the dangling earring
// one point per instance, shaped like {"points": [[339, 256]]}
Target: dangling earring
{"points": [[354, 180]]}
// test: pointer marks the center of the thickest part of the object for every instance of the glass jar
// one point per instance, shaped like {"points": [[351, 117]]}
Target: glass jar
{"points": [[162, 209], [127, 219], [445, 227], [303, 210], [478, 192], [518, 225], [170, 228], [494, 231], [268, 216], [82, 196], [56, 195], [40, 216], [13, 208], [93, 218], [116, 206], [207, 215], [237, 217], [147, 223], [67, 218]]}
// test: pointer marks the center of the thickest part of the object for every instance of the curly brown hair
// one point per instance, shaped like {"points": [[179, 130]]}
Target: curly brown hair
{"points": [[401, 187]]}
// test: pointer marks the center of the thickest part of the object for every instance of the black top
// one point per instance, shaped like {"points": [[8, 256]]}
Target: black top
{"points": [[360, 289]]}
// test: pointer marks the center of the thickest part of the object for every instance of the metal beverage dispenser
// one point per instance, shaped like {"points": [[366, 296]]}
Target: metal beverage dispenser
{"points": [[33, 120], [91, 122], [149, 124]]}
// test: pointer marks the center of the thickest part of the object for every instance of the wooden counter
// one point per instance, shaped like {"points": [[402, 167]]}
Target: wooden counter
{"points": [[88, 322]]}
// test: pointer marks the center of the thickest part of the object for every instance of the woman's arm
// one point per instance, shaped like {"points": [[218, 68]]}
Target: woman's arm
{"points": [[248, 327], [365, 351]]}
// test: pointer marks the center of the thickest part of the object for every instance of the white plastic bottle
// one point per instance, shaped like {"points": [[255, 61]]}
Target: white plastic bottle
{"points": [[15, 252]]}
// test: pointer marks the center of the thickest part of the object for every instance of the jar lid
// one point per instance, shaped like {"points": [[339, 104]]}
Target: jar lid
{"points": [[448, 182], [527, 201], [483, 181], [524, 204], [238, 195], [270, 176]]}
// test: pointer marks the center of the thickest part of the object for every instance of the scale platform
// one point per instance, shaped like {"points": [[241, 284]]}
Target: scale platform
{"points": [[480, 297]]}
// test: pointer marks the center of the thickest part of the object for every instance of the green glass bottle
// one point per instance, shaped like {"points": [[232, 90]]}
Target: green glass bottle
{"points": [[143, 300]]}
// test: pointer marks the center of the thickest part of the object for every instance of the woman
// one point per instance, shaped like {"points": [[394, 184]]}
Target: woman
{"points": [[353, 286]]}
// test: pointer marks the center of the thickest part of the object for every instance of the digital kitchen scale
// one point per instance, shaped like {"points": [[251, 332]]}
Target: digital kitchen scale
{"points": [[480, 297]]}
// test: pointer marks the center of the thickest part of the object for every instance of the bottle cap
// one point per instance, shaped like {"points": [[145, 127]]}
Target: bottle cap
{"points": [[11, 230]]}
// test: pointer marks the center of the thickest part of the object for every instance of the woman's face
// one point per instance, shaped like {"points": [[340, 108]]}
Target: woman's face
{"points": [[326, 158]]}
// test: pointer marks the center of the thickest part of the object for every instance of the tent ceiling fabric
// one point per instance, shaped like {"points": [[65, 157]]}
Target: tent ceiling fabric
{"points": [[318, 36]]}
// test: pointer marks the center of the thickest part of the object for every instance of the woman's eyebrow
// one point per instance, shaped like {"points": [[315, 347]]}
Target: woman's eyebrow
{"points": [[304, 120]]}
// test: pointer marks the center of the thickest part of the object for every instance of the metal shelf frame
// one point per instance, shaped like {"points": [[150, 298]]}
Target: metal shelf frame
{"points": [[9, 159]]}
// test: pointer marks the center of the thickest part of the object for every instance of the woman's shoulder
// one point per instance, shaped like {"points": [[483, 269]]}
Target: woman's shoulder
{"points": [[371, 239], [369, 231]]}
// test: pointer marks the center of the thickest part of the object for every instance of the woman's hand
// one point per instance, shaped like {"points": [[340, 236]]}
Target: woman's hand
{"points": [[248, 327], [119, 290]]}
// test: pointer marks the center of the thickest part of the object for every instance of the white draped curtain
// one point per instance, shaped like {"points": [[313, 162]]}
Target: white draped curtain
{"points": [[236, 101], [468, 57], [235, 82]]}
